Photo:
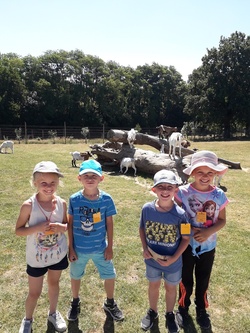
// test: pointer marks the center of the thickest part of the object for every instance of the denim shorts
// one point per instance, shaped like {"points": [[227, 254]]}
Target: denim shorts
{"points": [[105, 267], [154, 274], [40, 271]]}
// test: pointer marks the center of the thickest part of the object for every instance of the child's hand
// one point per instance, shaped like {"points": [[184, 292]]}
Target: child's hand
{"points": [[44, 227], [56, 227], [72, 256], [146, 254], [108, 253], [201, 234], [169, 260]]}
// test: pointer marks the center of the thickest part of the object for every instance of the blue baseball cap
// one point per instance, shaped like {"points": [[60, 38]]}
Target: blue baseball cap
{"points": [[90, 166]]}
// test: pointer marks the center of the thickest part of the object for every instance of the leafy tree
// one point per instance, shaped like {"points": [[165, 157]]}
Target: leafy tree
{"points": [[219, 90], [12, 88]]}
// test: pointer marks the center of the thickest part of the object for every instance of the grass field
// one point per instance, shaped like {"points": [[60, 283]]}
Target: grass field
{"points": [[229, 295]]}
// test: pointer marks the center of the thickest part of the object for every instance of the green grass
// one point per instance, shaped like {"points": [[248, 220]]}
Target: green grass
{"points": [[229, 287]]}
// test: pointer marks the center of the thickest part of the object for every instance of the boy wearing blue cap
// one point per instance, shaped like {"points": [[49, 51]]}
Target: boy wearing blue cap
{"points": [[90, 221]]}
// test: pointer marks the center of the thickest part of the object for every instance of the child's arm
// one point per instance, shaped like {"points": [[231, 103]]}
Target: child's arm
{"points": [[181, 248], [108, 253], [24, 215], [179, 203], [202, 234], [60, 227], [146, 253], [72, 253]]}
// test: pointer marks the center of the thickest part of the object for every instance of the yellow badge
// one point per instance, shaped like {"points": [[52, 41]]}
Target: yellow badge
{"points": [[185, 229], [97, 217], [201, 217]]}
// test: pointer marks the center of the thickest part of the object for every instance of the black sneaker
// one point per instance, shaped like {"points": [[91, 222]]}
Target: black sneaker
{"points": [[74, 310], [171, 323], [202, 318], [114, 311], [148, 321], [182, 316]]}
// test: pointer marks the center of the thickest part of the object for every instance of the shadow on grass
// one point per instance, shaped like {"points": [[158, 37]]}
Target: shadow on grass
{"points": [[108, 326], [73, 327], [190, 327]]}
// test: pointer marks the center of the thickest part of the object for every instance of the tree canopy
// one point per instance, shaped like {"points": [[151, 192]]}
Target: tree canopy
{"points": [[83, 90], [219, 91]]}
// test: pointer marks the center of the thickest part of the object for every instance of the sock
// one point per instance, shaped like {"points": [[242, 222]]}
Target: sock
{"points": [[110, 301], [76, 300]]}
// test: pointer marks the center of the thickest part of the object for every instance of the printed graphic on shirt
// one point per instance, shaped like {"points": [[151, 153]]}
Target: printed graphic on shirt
{"points": [[161, 234], [89, 217], [203, 212], [47, 246]]}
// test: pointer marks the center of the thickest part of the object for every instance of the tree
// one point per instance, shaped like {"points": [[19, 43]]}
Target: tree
{"points": [[219, 90], [12, 88]]}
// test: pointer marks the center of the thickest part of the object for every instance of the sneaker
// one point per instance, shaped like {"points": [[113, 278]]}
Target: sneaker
{"points": [[202, 318], [171, 323], [148, 321], [182, 316], [114, 311], [26, 326], [74, 310], [57, 321]]}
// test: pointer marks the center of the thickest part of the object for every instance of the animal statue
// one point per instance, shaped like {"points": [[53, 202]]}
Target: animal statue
{"points": [[185, 143], [76, 155], [165, 131], [127, 162], [7, 144], [131, 137], [174, 141]]}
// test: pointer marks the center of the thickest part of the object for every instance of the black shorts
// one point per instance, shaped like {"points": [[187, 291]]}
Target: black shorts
{"points": [[40, 271]]}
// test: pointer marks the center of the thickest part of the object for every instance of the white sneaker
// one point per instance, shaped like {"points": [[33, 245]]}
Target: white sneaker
{"points": [[58, 322], [26, 326]]}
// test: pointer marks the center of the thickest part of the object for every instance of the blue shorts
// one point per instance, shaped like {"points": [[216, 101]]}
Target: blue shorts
{"points": [[105, 267], [40, 271], [154, 274]]}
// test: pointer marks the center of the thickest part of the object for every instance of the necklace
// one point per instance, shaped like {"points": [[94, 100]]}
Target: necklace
{"points": [[93, 201], [91, 197], [53, 206]]}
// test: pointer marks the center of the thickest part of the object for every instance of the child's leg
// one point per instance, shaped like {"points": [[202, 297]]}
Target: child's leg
{"points": [[75, 287], [109, 286], [35, 289], [170, 297], [53, 288], [187, 283], [203, 270], [153, 294]]}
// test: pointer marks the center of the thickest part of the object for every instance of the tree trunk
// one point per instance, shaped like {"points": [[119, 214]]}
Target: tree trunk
{"points": [[146, 160]]}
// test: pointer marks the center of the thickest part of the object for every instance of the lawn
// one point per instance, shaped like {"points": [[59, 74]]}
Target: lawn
{"points": [[229, 295]]}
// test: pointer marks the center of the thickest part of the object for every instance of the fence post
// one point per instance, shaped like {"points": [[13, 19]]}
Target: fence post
{"points": [[25, 132], [65, 132]]}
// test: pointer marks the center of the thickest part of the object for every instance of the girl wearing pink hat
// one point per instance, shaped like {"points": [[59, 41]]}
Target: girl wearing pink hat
{"points": [[198, 258]]}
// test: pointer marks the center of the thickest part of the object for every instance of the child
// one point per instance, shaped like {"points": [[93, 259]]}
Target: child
{"points": [[91, 237], [164, 234], [43, 219], [199, 255]]}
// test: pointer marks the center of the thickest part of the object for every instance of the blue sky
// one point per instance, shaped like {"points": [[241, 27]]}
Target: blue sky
{"points": [[130, 32]]}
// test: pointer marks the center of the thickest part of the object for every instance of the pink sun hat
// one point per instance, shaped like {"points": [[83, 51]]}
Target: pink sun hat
{"points": [[208, 159]]}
